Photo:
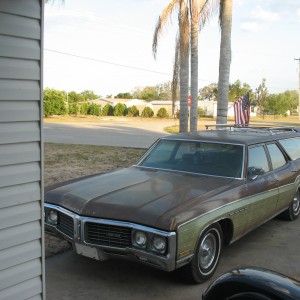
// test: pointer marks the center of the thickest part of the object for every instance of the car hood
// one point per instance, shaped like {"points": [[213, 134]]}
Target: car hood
{"points": [[137, 195]]}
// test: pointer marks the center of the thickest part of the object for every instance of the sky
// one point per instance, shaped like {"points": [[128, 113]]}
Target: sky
{"points": [[106, 46]]}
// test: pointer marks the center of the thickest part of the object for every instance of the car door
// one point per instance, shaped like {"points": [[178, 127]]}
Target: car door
{"points": [[262, 185], [285, 175]]}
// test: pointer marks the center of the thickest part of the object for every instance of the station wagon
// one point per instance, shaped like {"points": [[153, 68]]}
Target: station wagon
{"points": [[189, 196]]}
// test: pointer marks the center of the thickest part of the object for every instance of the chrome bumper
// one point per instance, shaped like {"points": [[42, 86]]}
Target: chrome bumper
{"points": [[77, 236]]}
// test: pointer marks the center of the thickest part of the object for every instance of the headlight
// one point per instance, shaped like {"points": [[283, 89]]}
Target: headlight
{"points": [[52, 217], [159, 244], [139, 239]]}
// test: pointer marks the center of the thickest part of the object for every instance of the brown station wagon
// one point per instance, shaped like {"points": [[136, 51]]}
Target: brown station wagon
{"points": [[187, 197]]}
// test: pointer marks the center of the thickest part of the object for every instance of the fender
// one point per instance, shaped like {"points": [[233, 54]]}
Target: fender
{"points": [[253, 284]]}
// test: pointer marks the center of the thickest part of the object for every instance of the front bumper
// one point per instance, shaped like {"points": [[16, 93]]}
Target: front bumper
{"points": [[117, 243]]}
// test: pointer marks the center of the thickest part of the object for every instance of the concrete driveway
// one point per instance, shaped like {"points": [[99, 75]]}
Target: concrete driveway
{"points": [[274, 245]]}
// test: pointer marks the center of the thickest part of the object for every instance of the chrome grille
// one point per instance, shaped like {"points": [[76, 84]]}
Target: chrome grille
{"points": [[108, 235], [65, 224]]}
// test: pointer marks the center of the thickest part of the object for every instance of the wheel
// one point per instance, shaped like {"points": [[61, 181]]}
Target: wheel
{"points": [[207, 255], [248, 296], [292, 212]]}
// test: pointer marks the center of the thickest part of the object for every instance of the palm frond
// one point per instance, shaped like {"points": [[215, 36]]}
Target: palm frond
{"points": [[162, 22], [207, 9]]}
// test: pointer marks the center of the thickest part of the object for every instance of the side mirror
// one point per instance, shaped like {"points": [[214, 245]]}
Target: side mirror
{"points": [[254, 172]]}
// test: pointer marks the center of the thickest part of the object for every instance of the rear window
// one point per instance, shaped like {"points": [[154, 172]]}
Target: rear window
{"points": [[292, 147]]}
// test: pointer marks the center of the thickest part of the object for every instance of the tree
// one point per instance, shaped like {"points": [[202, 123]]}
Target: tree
{"points": [[182, 43], [293, 100], [164, 90], [209, 92], [89, 95], [84, 108], [261, 96], [225, 60], [74, 109], [54, 102], [237, 89], [124, 96], [75, 97], [277, 104], [194, 16]]}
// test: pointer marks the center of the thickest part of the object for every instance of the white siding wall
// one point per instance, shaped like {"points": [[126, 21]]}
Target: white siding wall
{"points": [[21, 229]]}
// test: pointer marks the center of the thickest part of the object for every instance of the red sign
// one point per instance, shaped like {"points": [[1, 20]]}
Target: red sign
{"points": [[189, 101]]}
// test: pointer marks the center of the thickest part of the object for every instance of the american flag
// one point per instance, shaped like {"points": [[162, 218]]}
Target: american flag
{"points": [[242, 110]]}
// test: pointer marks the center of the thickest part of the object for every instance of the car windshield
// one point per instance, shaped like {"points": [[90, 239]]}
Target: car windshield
{"points": [[216, 159]]}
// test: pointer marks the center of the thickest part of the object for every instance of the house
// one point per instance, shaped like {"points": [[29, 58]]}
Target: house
{"points": [[22, 274]]}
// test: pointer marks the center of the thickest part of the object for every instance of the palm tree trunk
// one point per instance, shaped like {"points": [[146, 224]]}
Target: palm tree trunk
{"points": [[225, 60], [194, 65], [184, 66]]}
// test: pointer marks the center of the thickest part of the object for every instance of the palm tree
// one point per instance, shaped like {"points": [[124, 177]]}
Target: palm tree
{"points": [[181, 61], [225, 60], [194, 15]]}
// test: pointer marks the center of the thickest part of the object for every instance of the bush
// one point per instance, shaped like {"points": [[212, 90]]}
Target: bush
{"points": [[73, 109], [54, 102], [120, 109], [147, 112], [84, 108], [162, 113], [107, 110], [133, 111], [94, 109], [201, 112]]}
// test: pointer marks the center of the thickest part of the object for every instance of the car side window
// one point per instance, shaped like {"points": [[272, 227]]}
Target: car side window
{"points": [[292, 147], [277, 158], [257, 161]]}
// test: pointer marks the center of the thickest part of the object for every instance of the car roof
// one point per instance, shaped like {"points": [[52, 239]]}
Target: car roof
{"points": [[240, 135]]}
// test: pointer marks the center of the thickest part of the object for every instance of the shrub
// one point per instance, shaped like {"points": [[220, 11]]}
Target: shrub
{"points": [[133, 111], [94, 109], [120, 109], [147, 112], [73, 109], [162, 113], [201, 112], [107, 110], [54, 102], [84, 108]]}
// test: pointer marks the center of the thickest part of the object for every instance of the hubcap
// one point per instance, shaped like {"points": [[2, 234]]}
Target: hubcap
{"points": [[207, 251], [296, 204]]}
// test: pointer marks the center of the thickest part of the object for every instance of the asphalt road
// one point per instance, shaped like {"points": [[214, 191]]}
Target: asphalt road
{"points": [[275, 245], [110, 133]]}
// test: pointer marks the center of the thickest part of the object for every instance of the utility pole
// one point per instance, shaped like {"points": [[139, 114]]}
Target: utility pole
{"points": [[299, 86]]}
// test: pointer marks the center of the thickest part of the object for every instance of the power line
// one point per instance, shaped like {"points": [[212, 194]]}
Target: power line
{"points": [[107, 62], [129, 67]]}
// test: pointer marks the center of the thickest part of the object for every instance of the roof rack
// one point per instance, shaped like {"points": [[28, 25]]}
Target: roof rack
{"points": [[258, 128]]}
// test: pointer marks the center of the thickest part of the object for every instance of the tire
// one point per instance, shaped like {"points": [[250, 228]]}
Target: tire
{"points": [[248, 296], [293, 211], [207, 255]]}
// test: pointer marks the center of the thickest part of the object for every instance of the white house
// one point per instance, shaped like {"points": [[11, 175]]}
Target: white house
{"points": [[22, 274]]}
